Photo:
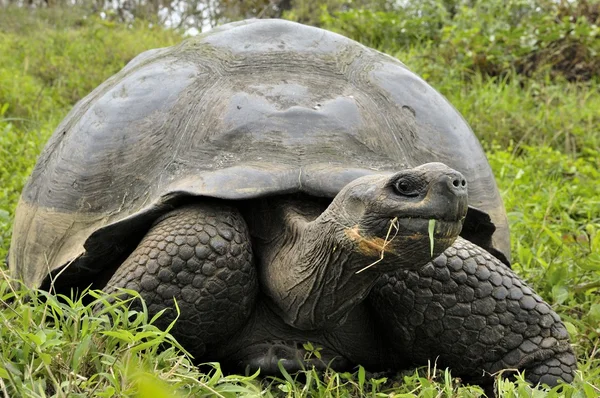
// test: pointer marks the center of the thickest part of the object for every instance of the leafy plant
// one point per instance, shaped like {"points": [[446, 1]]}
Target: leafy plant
{"points": [[493, 37], [93, 344]]}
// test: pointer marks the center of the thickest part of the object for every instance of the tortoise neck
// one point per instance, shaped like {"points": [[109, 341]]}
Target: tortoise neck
{"points": [[309, 272]]}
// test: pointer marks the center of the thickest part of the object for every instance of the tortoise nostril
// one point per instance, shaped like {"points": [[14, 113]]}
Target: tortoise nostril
{"points": [[457, 183]]}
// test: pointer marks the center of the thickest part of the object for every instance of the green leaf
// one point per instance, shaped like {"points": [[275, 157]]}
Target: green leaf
{"points": [[124, 335], [11, 368], [431, 229], [361, 378], [560, 294], [594, 313], [590, 391], [216, 377], [145, 345], [80, 352], [4, 215], [571, 329], [46, 358], [150, 386], [3, 373], [284, 372], [284, 387], [37, 340]]}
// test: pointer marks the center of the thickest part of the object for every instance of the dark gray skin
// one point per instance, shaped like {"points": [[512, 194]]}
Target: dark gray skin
{"points": [[403, 310], [249, 173], [307, 260]]}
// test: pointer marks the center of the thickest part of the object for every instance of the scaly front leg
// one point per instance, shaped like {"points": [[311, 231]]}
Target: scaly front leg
{"points": [[471, 313]]}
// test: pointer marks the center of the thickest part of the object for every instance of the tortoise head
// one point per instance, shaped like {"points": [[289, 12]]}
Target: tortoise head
{"points": [[400, 214], [377, 223]]}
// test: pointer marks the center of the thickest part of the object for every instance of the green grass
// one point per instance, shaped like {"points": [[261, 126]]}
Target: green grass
{"points": [[542, 138]]}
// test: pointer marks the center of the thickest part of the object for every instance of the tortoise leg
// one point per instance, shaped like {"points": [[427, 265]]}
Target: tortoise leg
{"points": [[201, 256], [472, 313]]}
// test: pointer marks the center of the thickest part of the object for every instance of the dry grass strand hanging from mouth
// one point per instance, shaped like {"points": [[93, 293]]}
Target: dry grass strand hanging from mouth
{"points": [[387, 241]]}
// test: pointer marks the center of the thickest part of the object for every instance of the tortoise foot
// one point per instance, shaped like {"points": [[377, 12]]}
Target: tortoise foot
{"points": [[199, 255], [551, 370]]}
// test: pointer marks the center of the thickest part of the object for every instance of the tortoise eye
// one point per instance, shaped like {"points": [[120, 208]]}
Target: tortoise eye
{"points": [[406, 187]]}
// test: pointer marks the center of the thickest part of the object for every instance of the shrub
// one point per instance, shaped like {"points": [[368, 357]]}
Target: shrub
{"points": [[494, 37]]}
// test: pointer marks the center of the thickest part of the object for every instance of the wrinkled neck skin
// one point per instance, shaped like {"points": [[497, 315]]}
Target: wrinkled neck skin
{"points": [[308, 269]]}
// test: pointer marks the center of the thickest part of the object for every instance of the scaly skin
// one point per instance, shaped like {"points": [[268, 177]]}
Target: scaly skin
{"points": [[201, 255], [472, 313], [465, 308]]}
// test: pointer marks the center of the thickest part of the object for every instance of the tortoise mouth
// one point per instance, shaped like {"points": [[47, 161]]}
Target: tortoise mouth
{"points": [[408, 241], [419, 228]]}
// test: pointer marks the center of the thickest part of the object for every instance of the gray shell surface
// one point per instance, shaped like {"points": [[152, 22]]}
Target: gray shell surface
{"points": [[253, 108]]}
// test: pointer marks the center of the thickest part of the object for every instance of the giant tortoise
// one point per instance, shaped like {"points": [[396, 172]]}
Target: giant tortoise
{"points": [[285, 184]]}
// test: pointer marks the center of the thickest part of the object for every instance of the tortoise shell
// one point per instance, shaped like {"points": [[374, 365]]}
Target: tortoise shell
{"points": [[253, 108]]}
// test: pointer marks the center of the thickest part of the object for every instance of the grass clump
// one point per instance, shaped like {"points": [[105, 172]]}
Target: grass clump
{"points": [[50, 67], [494, 37], [54, 345], [554, 213]]}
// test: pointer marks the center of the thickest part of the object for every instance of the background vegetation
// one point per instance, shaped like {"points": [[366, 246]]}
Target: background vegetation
{"points": [[524, 73]]}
